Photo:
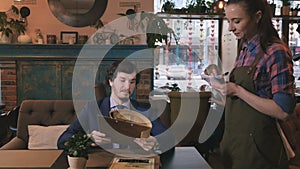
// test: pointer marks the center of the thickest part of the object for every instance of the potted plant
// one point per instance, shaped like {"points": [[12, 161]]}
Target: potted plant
{"points": [[157, 31], [198, 6], [285, 9], [168, 6], [77, 149], [10, 25], [174, 87]]}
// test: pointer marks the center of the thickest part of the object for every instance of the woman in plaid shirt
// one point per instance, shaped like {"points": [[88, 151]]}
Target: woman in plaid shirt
{"points": [[260, 90]]}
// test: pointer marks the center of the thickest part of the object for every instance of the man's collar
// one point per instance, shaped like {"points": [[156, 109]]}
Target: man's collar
{"points": [[114, 104]]}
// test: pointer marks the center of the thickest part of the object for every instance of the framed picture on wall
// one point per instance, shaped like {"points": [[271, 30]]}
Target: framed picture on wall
{"points": [[68, 37]]}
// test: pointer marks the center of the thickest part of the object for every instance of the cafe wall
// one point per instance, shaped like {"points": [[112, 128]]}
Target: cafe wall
{"points": [[42, 18]]}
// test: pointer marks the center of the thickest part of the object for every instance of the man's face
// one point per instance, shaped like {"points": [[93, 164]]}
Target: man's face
{"points": [[123, 86]]}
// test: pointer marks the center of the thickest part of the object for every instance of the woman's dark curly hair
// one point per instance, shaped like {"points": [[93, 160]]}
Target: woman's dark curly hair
{"points": [[121, 66]]}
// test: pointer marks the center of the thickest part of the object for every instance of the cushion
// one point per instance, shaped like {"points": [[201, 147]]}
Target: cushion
{"points": [[44, 137]]}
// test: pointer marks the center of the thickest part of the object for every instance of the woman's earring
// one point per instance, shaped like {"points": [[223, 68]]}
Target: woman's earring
{"points": [[258, 19]]}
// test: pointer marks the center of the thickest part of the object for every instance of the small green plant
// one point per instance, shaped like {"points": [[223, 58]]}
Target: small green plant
{"points": [[174, 87], [286, 3], [157, 31], [10, 24], [168, 6], [78, 145], [198, 6]]}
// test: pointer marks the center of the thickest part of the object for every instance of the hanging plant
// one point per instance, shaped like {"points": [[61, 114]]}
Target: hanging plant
{"points": [[168, 6], [286, 3], [157, 31], [9, 24], [198, 6]]}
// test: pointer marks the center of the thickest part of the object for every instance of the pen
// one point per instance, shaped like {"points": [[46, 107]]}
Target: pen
{"points": [[225, 74]]}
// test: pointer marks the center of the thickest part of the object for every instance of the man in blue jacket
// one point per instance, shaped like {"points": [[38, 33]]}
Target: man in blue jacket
{"points": [[122, 77]]}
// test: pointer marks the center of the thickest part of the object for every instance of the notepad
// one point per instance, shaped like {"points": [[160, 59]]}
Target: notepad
{"points": [[129, 163]]}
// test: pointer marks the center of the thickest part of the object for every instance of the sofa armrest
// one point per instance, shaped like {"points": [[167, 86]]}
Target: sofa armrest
{"points": [[14, 144]]}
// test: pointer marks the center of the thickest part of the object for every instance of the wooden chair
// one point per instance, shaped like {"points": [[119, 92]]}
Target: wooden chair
{"points": [[291, 128]]}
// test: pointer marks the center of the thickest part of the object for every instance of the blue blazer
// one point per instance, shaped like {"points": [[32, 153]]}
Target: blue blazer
{"points": [[87, 120]]}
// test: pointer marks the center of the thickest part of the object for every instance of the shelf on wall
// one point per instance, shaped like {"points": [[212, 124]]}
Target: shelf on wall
{"points": [[189, 16]]}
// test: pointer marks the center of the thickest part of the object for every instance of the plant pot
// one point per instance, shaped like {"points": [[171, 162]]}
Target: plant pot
{"points": [[176, 100], [24, 39], [188, 102], [168, 7], [77, 162], [285, 10], [294, 13], [4, 38]]}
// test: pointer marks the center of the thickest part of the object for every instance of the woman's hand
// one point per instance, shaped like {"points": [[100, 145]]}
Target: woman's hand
{"points": [[221, 87], [146, 143], [232, 89], [228, 88], [99, 138], [264, 105]]}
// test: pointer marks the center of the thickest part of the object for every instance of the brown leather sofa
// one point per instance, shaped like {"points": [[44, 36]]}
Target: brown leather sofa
{"points": [[40, 112]]}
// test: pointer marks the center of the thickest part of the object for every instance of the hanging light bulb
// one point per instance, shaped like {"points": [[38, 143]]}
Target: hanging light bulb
{"points": [[221, 4]]}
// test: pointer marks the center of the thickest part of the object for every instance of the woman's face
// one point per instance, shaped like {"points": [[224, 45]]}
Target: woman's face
{"points": [[240, 23]]}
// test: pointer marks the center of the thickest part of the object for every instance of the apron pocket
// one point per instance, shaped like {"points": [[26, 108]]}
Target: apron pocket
{"points": [[268, 146]]}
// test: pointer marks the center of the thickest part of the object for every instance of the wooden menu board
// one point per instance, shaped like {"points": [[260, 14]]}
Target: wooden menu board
{"points": [[129, 163]]}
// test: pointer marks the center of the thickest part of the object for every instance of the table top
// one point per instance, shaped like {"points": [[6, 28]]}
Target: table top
{"points": [[181, 157], [37, 159]]}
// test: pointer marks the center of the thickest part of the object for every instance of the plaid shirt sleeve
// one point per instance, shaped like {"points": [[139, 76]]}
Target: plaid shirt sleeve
{"points": [[277, 69]]}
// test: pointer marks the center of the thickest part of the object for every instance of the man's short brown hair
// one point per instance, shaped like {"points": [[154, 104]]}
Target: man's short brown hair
{"points": [[121, 66]]}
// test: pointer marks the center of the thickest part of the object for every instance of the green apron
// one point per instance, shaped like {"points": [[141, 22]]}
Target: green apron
{"points": [[251, 139]]}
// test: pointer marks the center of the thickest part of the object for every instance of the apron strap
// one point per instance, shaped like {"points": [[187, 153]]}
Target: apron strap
{"points": [[255, 62]]}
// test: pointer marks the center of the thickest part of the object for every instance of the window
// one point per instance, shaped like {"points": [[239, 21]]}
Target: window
{"points": [[159, 3]]}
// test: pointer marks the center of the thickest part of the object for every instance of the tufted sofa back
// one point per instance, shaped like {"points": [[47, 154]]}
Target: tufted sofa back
{"points": [[45, 113], [291, 128]]}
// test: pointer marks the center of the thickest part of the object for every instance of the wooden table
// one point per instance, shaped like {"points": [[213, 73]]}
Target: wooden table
{"points": [[30, 159], [181, 157]]}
